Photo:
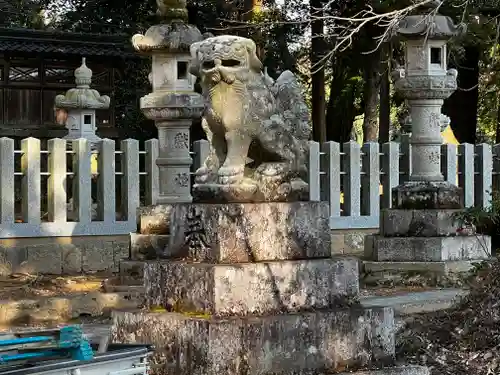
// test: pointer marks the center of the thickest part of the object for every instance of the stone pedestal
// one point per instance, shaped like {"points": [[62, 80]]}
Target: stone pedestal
{"points": [[425, 236], [251, 287]]}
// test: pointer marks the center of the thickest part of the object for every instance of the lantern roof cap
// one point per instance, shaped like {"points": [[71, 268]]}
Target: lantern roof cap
{"points": [[429, 24]]}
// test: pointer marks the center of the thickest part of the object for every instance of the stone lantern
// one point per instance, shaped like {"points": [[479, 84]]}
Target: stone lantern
{"points": [[421, 232], [425, 82], [81, 103], [173, 104]]}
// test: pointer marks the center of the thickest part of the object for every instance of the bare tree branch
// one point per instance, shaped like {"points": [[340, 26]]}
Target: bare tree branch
{"points": [[342, 30]]}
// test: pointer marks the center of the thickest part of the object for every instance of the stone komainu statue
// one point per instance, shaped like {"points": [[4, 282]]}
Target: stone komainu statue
{"points": [[258, 129]]}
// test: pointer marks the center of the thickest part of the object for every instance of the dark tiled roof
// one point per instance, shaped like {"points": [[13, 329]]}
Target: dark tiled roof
{"points": [[48, 41]]}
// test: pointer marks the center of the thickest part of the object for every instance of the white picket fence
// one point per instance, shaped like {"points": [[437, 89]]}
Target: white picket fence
{"points": [[36, 183]]}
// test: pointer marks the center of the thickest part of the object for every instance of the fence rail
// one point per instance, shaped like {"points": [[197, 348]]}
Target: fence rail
{"points": [[54, 191], [48, 193]]}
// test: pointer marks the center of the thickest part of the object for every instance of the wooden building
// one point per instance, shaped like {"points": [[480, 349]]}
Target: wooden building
{"points": [[37, 65]]}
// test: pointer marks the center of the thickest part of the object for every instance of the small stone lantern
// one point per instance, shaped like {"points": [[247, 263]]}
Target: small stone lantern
{"points": [[425, 82], [81, 104], [173, 104]]}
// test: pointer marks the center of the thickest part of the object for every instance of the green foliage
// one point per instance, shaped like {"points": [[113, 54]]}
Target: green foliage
{"points": [[486, 221]]}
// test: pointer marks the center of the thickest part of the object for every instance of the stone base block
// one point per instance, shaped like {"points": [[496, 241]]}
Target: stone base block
{"points": [[149, 246], [154, 219], [399, 370], [431, 268], [427, 195], [305, 343], [250, 232], [251, 288], [419, 223], [429, 249]]}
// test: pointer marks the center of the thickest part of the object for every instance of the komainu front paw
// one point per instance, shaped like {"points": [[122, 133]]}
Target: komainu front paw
{"points": [[230, 175], [203, 175]]}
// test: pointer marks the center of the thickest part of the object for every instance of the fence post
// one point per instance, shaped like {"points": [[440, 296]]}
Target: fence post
{"points": [[201, 149], [82, 179], [7, 195], [31, 186], [370, 181], [106, 184], [449, 165], [466, 173], [152, 172], [483, 180], [314, 172], [57, 208], [130, 178], [390, 168], [352, 179], [496, 167], [330, 180], [405, 157]]}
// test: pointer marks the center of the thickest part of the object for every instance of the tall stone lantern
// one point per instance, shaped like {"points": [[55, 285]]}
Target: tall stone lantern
{"points": [[173, 104], [425, 82], [81, 104], [421, 232]]}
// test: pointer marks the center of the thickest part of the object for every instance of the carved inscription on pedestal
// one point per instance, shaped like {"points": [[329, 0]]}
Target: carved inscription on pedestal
{"points": [[195, 235]]}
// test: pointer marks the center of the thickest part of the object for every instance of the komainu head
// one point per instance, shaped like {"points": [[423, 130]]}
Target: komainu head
{"points": [[224, 58]]}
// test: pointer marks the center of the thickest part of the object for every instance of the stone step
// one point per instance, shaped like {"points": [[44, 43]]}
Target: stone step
{"points": [[416, 302], [124, 284], [251, 288], [148, 246], [64, 308], [92, 331], [395, 273], [131, 269], [428, 249], [398, 370], [299, 343]]}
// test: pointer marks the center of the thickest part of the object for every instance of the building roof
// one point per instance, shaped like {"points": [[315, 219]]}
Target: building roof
{"points": [[52, 41]]}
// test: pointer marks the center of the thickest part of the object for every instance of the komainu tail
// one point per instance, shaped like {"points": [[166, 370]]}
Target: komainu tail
{"points": [[291, 105]]}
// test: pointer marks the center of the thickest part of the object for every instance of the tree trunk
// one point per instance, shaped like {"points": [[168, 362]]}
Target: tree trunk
{"points": [[385, 98], [462, 105], [318, 74], [287, 60], [341, 110], [371, 96]]}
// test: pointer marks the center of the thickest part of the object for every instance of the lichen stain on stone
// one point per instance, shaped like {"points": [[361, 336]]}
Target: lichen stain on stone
{"points": [[180, 308]]}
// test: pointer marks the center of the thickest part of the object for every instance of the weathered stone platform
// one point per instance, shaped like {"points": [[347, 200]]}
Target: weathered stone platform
{"points": [[262, 189], [421, 223], [426, 235], [429, 249], [303, 343], [251, 288]]}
